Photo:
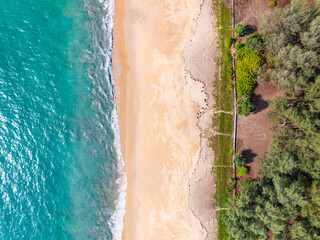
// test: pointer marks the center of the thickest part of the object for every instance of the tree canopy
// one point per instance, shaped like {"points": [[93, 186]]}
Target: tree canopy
{"points": [[285, 201]]}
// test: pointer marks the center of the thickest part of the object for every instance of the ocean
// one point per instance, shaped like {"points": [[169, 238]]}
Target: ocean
{"points": [[60, 163]]}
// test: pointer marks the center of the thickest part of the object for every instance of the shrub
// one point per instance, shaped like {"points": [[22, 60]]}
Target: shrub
{"points": [[240, 30], [243, 52], [238, 45], [232, 180], [272, 3], [239, 160], [254, 42], [230, 73], [242, 171], [245, 107], [246, 79], [227, 58], [249, 63], [228, 42]]}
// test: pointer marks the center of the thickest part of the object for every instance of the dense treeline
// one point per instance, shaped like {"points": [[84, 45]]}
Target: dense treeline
{"points": [[285, 202]]}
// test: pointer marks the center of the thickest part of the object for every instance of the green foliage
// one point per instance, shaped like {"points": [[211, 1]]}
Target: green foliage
{"points": [[245, 107], [222, 196], [246, 186], [249, 62], [225, 123], [242, 171], [239, 160], [272, 4], [222, 147], [228, 42], [285, 200], [222, 233], [292, 38], [240, 30], [254, 42]]}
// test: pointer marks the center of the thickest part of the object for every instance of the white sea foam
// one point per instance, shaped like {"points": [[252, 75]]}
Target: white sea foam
{"points": [[116, 221]]}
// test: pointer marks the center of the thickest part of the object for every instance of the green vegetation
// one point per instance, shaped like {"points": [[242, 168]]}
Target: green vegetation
{"points": [[224, 95], [272, 4], [222, 147], [225, 123], [285, 201], [228, 42], [245, 107], [248, 63], [292, 45], [223, 235], [242, 171], [239, 160], [240, 30], [246, 185], [254, 42], [223, 193]]}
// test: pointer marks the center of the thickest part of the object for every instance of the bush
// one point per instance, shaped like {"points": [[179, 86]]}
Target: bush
{"points": [[245, 107], [249, 63], [242, 171], [243, 52], [227, 58], [238, 45], [272, 3], [228, 42], [254, 42], [240, 30], [239, 160]]}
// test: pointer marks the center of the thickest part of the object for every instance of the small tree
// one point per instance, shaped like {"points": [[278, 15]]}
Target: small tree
{"points": [[242, 171], [239, 160], [245, 107], [254, 42], [240, 30]]}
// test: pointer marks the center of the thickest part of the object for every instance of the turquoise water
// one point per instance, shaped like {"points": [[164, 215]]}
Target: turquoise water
{"points": [[60, 165]]}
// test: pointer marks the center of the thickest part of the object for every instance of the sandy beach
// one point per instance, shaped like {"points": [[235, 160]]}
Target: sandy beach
{"points": [[163, 91]]}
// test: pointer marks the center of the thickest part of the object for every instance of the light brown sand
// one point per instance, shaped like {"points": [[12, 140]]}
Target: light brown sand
{"points": [[158, 120]]}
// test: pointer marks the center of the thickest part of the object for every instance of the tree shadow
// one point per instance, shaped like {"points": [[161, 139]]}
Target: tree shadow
{"points": [[250, 29], [259, 103], [248, 155]]}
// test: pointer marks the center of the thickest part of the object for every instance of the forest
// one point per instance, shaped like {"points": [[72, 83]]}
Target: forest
{"points": [[284, 202]]}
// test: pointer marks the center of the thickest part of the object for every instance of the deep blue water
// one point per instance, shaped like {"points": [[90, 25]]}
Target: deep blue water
{"points": [[60, 165]]}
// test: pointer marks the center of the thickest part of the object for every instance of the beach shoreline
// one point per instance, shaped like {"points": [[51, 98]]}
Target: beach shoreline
{"points": [[164, 104]]}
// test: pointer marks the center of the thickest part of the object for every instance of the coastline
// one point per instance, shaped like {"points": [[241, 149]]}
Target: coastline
{"points": [[163, 101]]}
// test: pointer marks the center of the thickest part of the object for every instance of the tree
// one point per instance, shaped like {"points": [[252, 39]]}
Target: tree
{"points": [[254, 42], [245, 107], [242, 171], [292, 36], [285, 200], [240, 30], [239, 160]]}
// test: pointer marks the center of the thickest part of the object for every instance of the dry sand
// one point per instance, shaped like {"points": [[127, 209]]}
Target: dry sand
{"points": [[159, 97]]}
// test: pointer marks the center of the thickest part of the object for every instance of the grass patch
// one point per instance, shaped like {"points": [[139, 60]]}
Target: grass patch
{"points": [[223, 193], [222, 232], [222, 147], [225, 123], [224, 98]]}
